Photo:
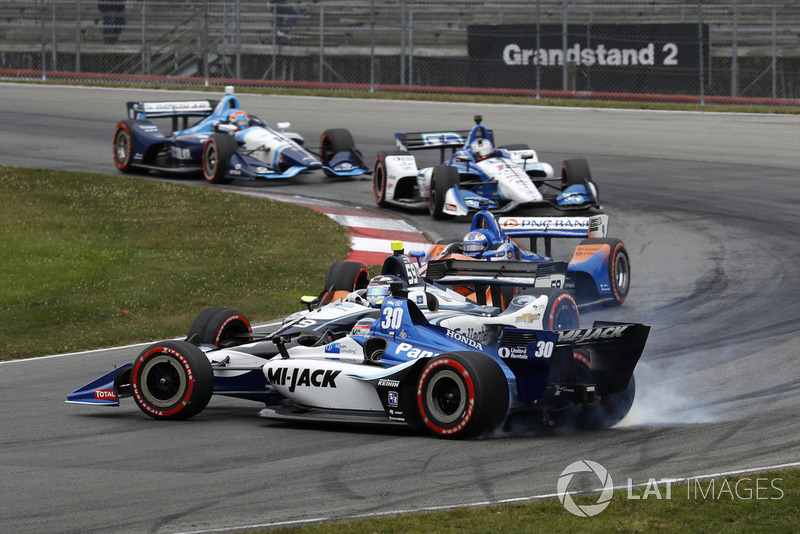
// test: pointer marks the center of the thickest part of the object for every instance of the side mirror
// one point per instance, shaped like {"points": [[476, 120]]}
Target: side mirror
{"points": [[309, 301]]}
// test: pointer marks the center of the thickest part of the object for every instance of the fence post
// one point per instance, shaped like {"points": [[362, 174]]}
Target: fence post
{"points": [[403, 43], [274, 40], [735, 51], [44, 51], [564, 45], [55, 43], [538, 49], [321, 43], [411, 46], [371, 47], [205, 41], [774, 52], [78, 38], [238, 73]]}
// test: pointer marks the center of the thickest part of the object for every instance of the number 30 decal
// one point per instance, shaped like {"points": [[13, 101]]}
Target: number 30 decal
{"points": [[391, 318], [544, 349]]}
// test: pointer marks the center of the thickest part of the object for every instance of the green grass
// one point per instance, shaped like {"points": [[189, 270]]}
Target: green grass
{"points": [[775, 512], [91, 261]]}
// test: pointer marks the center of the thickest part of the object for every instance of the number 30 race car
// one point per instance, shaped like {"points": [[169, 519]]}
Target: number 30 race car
{"points": [[408, 363], [225, 144]]}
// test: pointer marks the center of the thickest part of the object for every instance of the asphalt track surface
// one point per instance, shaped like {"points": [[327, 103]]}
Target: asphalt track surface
{"points": [[707, 205]]}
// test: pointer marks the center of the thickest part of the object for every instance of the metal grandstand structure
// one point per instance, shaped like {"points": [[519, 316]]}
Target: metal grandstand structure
{"points": [[751, 49]]}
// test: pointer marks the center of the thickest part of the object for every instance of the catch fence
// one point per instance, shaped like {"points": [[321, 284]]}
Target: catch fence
{"points": [[669, 50]]}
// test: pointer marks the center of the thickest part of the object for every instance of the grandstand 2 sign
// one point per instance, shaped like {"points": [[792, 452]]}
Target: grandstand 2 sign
{"points": [[637, 58]]}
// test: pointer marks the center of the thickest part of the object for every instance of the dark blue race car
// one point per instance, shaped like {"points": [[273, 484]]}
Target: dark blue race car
{"points": [[225, 143]]}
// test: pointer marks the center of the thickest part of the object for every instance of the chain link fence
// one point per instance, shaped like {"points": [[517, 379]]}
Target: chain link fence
{"points": [[666, 50]]}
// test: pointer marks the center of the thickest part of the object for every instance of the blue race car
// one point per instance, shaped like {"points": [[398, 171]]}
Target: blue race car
{"points": [[225, 144], [598, 272], [454, 375], [477, 175]]}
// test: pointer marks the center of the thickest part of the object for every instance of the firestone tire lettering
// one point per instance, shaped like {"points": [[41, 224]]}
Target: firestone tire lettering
{"points": [[172, 380], [461, 394]]}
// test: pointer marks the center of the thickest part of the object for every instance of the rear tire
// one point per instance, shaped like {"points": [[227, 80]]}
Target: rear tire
{"points": [[344, 276], [172, 380], [618, 267], [459, 395], [442, 179], [221, 327], [123, 146], [217, 153], [562, 310], [379, 176]]}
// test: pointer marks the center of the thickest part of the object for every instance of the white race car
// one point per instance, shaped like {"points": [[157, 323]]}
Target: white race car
{"points": [[478, 175]]}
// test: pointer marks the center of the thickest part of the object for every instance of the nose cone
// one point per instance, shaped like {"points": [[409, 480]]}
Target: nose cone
{"points": [[295, 157]]}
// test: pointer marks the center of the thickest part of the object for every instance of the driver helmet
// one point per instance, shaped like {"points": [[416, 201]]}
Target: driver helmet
{"points": [[239, 118], [474, 244], [481, 149], [380, 287]]}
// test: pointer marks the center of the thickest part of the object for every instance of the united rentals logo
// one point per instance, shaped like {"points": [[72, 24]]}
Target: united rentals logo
{"points": [[585, 466]]}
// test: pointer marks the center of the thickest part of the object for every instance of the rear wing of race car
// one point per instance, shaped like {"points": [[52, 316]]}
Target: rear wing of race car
{"points": [[549, 227], [452, 139], [493, 274], [174, 110], [610, 350]]}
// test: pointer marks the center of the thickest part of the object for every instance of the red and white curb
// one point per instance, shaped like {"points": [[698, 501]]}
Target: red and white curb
{"points": [[371, 232]]}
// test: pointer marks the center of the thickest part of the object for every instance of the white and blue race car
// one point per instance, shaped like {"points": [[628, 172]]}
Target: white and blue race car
{"points": [[406, 361], [225, 143], [477, 175]]}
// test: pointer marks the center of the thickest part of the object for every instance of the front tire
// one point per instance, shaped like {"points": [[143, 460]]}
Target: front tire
{"points": [[443, 179], [217, 152], [123, 146], [172, 380], [332, 142], [575, 172], [459, 395]]}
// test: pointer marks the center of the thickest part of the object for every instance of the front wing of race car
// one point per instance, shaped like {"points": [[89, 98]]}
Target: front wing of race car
{"points": [[241, 166]]}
